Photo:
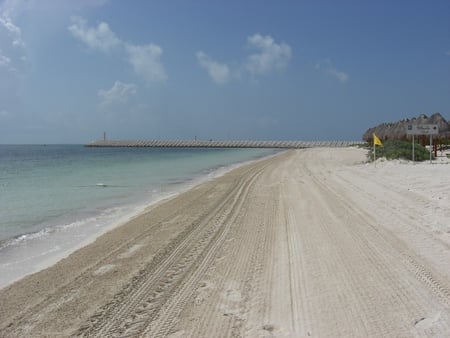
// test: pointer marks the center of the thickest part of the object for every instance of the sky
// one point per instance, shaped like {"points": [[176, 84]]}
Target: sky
{"points": [[206, 69]]}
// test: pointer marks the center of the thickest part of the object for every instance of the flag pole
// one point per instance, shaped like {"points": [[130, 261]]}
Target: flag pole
{"points": [[374, 152], [376, 141]]}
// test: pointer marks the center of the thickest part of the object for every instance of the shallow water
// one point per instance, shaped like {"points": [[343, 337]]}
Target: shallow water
{"points": [[55, 198]]}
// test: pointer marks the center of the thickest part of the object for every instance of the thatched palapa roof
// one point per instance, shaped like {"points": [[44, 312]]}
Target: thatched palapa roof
{"points": [[397, 130]]}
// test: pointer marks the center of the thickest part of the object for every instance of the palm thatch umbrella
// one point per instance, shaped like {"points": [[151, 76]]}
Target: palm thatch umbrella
{"points": [[397, 130]]}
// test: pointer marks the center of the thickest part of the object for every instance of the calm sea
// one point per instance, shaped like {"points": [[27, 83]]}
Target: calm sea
{"points": [[56, 198]]}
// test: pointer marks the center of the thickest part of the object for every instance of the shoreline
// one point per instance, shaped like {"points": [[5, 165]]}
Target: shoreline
{"points": [[48, 256], [304, 243]]}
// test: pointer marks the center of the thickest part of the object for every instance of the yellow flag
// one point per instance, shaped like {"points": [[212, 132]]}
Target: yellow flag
{"points": [[376, 140]]}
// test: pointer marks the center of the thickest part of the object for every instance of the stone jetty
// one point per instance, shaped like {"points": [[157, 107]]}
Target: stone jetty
{"points": [[221, 144]]}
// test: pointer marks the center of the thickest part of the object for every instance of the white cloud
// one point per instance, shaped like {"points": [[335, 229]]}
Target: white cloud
{"points": [[327, 67], [144, 59], [4, 60], [271, 55], [12, 45], [219, 72], [146, 62], [13, 31], [119, 93], [341, 76], [100, 37]]}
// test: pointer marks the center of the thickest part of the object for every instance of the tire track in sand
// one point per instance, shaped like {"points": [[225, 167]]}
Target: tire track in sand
{"points": [[43, 310], [229, 291], [393, 267], [168, 315], [412, 262], [133, 309]]}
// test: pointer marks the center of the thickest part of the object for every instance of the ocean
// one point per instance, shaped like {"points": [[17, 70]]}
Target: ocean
{"points": [[57, 198]]}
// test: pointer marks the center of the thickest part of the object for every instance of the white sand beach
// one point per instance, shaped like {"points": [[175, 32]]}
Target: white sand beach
{"points": [[310, 242]]}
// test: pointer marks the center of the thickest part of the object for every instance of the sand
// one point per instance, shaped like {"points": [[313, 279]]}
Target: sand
{"points": [[307, 243]]}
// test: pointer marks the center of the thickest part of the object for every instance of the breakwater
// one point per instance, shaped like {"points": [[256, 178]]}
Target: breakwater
{"points": [[221, 144]]}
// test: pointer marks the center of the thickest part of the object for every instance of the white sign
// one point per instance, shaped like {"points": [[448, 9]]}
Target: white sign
{"points": [[422, 129]]}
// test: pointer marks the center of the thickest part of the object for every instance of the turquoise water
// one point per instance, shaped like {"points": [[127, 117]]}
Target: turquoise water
{"points": [[54, 198]]}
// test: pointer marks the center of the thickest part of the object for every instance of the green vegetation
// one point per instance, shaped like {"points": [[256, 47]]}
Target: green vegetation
{"points": [[396, 149]]}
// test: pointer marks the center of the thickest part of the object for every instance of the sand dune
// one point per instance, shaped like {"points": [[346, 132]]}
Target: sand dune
{"points": [[307, 243]]}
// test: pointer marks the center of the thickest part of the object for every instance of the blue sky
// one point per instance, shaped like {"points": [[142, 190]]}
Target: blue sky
{"points": [[282, 70]]}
